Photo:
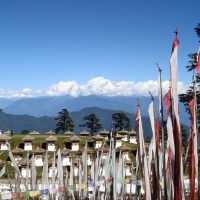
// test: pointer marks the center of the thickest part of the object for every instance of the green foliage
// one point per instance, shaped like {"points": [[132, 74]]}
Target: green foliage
{"points": [[133, 158], [92, 123], [121, 121], [12, 132], [37, 142], [189, 95], [64, 122], [39, 172], [24, 132], [197, 30], [4, 155], [16, 140], [10, 172]]}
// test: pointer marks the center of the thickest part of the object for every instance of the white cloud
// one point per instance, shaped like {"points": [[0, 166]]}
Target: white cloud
{"points": [[26, 92], [96, 86], [105, 87], [71, 88]]}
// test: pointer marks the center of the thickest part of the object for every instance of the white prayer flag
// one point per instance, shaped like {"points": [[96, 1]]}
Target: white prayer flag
{"points": [[3, 170]]}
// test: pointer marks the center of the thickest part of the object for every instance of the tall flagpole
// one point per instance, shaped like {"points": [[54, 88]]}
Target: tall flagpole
{"points": [[113, 143], [198, 178], [163, 135], [197, 143], [156, 159]]}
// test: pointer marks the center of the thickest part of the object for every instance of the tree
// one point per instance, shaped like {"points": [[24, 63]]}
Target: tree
{"points": [[25, 131], [197, 30], [92, 123], [64, 122], [12, 132], [120, 121], [188, 96]]}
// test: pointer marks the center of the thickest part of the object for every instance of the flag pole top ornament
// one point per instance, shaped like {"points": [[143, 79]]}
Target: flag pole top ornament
{"points": [[176, 41], [138, 103], [176, 32], [152, 97], [159, 68]]}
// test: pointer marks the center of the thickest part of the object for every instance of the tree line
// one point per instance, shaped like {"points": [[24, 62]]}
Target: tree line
{"points": [[91, 122]]}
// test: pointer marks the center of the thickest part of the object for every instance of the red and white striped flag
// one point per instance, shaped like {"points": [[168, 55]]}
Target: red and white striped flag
{"points": [[142, 156], [198, 63], [170, 152], [167, 101], [178, 167], [193, 150], [174, 76]]}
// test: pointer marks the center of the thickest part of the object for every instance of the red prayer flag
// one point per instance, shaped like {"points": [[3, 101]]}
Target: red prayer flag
{"points": [[167, 101], [15, 195], [175, 43], [61, 189], [198, 64], [157, 134], [192, 157], [109, 180], [177, 162]]}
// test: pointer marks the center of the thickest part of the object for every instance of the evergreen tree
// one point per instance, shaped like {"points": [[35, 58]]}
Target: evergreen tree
{"points": [[92, 123], [25, 131], [197, 30], [189, 95], [64, 122], [120, 121]]}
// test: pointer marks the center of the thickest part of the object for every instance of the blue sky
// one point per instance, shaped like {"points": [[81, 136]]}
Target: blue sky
{"points": [[45, 42]]}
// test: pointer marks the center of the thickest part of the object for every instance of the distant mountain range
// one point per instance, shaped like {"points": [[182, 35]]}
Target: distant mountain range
{"points": [[50, 106], [17, 123]]}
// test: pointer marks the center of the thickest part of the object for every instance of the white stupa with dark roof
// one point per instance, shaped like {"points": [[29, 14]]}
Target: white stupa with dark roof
{"points": [[51, 140], [17, 154], [50, 133], [98, 141], [28, 142], [125, 134], [69, 133], [34, 133], [118, 139], [85, 133], [133, 138], [66, 157], [104, 134], [3, 139], [38, 152], [75, 143]]}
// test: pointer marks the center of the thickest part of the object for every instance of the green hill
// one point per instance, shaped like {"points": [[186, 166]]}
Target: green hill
{"points": [[17, 123]]}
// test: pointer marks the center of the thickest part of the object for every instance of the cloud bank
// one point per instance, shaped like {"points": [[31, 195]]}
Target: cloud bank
{"points": [[96, 86]]}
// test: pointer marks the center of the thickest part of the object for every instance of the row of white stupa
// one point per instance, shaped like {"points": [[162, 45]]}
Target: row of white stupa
{"points": [[69, 159], [72, 145], [72, 141]]}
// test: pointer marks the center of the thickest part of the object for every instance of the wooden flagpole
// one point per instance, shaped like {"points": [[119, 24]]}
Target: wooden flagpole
{"points": [[156, 160], [163, 135]]}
